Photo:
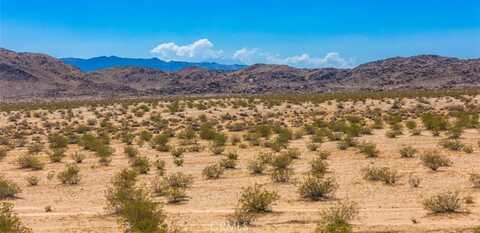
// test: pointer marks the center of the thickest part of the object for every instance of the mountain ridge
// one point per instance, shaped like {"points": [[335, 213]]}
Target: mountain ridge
{"points": [[35, 76], [104, 62]]}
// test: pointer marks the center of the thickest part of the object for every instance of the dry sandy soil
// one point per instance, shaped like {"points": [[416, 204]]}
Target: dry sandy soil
{"points": [[382, 208]]}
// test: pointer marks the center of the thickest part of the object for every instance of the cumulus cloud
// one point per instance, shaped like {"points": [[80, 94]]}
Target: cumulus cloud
{"points": [[255, 55], [199, 50], [203, 50]]}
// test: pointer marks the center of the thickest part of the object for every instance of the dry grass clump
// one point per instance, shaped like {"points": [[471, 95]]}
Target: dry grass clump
{"points": [[385, 174]]}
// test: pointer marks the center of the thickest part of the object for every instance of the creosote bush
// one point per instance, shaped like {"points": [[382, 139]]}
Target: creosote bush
{"points": [[28, 161], [434, 160], [9, 221], [255, 199], [8, 189], [315, 188], [213, 171], [408, 152], [336, 219], [70, 175]]}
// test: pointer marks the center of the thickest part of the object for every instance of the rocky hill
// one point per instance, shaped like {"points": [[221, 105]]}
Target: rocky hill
{"points": [[29, 75]]}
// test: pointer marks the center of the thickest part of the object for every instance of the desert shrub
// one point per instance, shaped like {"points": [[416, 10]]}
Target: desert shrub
{"points": [[30, 162], [160, 142], [434, 122], [318, 167], [70, 175], [57, 155], [255, 199], [468, 149], [281, 168], [453, 145], [336, 219], [160, 166], [173, 186], [293, 153], [141, 214], [177, 152], [8, 189], [145, 135], [216, 150], [369, 149], [141, 164], [9, 221], [228, 163], [475, 180], [78, 157], [322, 154], [241, 218], [130, 151], [434, 161], [411, 124], [35, 148], [213, 171], [385, 174], [235, 139], [447, 202], [414, 181], [178, 161], [316, 188], [256, 166], [3, 153], [408, 152], [312, 146], [122, 189], [57, 141], [346, 143], [32, 180]]}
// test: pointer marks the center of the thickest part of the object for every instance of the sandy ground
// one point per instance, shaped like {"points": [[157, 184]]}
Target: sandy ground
{"points": [[383, 208]]}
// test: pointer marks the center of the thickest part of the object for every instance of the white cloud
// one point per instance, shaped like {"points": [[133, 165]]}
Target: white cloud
{"points": [[199, 50], [255, 55]]}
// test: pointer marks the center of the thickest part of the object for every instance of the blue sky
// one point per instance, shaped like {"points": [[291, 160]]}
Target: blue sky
{"points": [[298, 33]]}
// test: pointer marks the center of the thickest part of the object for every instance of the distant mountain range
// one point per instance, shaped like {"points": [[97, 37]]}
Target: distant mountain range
{"points": [[98, 63], [39, 76]]}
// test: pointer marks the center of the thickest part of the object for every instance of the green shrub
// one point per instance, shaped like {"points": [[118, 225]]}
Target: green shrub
{"points": [[447, 202], [369, 149], [122, 189], [8, 189], [316, 188], [318, 167], [57, 141], [256, 166], [434, 161], [9, 221], [213, 171], [130, 151], [336, 219], [141, 164], [70, 175], [281, 168], [30, 162], [228, 163], [57, 155], [173, 186], [254, 199]]}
